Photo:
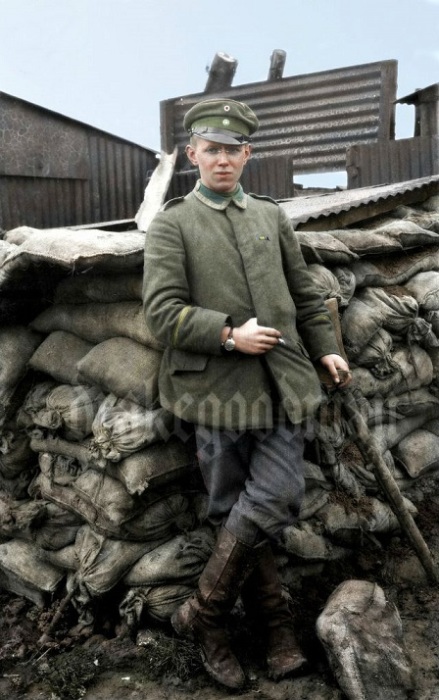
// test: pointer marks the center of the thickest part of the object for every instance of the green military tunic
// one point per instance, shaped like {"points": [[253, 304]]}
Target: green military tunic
{"points": [[211, 260]]}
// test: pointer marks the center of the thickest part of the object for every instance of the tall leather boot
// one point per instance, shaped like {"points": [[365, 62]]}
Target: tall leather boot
{"points": [[263, 598], [203, 616]]}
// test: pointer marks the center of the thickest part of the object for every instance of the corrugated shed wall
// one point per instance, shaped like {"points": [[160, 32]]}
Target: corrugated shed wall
{"points": [[58, 172], [392, 161], [312, 118]]}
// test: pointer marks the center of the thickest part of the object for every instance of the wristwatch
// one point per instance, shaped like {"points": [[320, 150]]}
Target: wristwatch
{"points": [[229, 343]]}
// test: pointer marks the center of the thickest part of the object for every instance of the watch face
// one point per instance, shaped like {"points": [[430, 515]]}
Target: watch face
{"points": [[229, 344]]}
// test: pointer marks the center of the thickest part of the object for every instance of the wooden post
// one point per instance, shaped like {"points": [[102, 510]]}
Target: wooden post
{"points": [[277, 64], [221, 73]]}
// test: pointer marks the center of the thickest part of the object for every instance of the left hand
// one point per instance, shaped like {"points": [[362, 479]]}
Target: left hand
{"points": [[333, 364]]}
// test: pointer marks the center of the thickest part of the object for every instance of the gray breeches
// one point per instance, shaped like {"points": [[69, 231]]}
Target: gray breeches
{"points": [[254, 479]]}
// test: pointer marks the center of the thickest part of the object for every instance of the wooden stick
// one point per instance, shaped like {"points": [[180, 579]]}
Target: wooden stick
{"points": [[369, 448]]}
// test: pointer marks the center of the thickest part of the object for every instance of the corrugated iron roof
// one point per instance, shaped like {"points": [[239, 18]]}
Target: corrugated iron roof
{"points": [[336, 209]]}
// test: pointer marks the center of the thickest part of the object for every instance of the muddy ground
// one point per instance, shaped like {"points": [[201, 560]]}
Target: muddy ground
{"points": [[109, 663]]}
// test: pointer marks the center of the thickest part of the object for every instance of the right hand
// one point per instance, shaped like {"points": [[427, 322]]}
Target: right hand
{"points": [[252, 339]]}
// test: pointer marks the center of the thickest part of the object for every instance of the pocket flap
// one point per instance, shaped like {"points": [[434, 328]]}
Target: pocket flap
{"points": [[181, 361]]}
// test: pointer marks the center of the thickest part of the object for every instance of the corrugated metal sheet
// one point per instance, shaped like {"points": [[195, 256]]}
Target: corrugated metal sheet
{"points": [[312, 118], [392, 161], [338, 209], [55, 171]]}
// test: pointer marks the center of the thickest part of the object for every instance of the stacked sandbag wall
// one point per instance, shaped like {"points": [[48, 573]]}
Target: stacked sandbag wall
{"points": [[99, 484]]}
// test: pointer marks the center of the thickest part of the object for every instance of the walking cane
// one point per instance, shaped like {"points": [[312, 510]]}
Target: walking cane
{"points": [[370, 450]]}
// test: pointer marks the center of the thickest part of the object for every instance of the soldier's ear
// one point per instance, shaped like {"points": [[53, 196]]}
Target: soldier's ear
{"points": [[190, 152]]}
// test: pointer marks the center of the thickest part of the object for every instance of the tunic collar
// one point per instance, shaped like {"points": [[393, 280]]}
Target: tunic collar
{"points": [[216, 200]]}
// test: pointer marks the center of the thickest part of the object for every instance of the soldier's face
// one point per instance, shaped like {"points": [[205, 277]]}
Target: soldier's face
{"points": [[220, 165]]}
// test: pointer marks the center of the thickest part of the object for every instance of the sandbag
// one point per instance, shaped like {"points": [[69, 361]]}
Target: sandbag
{"points": [[418, 452], [347, 282], [154, 466], [377, 354], [361, 632], [389, 409], [73, 250], [155, 602], [373, 309], [415, 370], [19, 518], [322, 248], [81, 289], [58, 530], [58, 356], [17, 345], [70, 410], [105, 505], [16, 455], [424, 286], [23, 571], [326, 281], [96, 322], [100, 562], [371, 515], [179, 560], [304, 542], [34, 401], [123, 367], [120, 427], [389, 270]]}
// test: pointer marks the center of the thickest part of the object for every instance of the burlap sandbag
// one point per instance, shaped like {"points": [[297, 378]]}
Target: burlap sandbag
{"points": [[154, 466], [424, 286], [373, 309], [23, 570], [323, 248], [59, 528], [304, 542], [123, 367], [418, 452], [19, 517], [387, 435], [155, 602], [74, 250], [325, 281], [415, 369], [17, 344], [18, 486], [59, 469], [346, 280], [58, 356], [100, 562], [70, 410], [16, 455], [377, 354], [96, 322], [34, 401], [179, 560], [389, 270], [120, 427], [104, 504], [410, 403], [89, 286], [371, 515]]}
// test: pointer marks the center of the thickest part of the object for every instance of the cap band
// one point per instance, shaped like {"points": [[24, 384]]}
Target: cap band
{"points": [[227, 123]]}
